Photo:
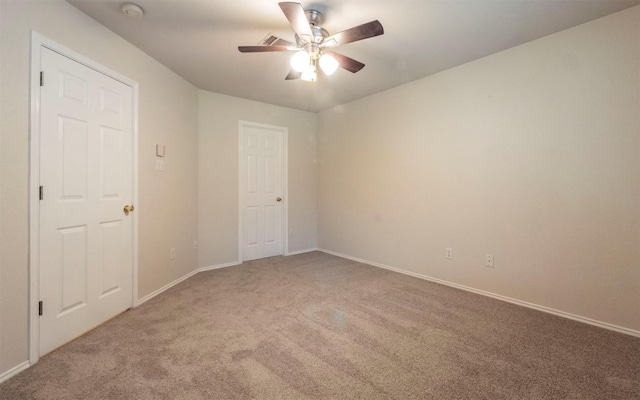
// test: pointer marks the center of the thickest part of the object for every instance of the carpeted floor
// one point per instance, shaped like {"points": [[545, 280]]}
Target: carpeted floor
{"points": [[318, 326]]}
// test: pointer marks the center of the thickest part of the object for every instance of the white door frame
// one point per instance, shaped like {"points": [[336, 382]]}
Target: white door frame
{"points": [[285, 186], [37, 43]]}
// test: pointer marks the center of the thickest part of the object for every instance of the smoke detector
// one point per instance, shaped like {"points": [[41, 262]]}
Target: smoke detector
{"points": [[132, 10]]}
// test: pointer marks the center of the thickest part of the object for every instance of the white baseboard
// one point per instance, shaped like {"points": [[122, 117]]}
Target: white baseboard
{"points": [[545, 309], [14, 371], [187, 276], [293, 253], [218, 266], [165, 287]]}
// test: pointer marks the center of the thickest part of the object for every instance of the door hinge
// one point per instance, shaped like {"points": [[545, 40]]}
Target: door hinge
{"points": [[41, 193], [41, 78], [40, 308]]}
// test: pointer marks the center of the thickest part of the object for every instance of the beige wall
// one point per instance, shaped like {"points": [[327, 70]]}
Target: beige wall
{"points": [[531, 154], [168, 115], [218, 159]]}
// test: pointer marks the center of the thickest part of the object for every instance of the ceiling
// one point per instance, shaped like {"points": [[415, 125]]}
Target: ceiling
{"points": [[199, 39]]}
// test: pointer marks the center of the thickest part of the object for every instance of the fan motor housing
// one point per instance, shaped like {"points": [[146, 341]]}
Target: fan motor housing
{"points": [[315, 18]]}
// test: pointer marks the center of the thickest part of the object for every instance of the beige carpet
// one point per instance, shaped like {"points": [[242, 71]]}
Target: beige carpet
{"points": [[318, 326]]}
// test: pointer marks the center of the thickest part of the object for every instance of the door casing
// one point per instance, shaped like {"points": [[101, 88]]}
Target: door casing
{"points": [[37, 43], [285, 186]]}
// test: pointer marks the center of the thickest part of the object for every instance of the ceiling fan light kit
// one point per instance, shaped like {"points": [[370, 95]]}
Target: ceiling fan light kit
{"points": [[307, 64], [328, 64], [310, 74], [300, 61], [313, 43]]}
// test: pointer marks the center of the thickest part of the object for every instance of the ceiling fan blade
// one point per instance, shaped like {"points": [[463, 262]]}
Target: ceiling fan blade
{"points": [[259, 49], [295, 14], [293, 74], [364, 31], [345, 62]]}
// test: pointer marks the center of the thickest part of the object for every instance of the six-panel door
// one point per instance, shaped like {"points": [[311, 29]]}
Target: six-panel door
{"points": [[86, 172]]}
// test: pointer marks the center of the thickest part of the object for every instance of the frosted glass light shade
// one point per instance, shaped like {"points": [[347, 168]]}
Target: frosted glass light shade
{"points": [[300, 61], [328, 64], [309, 74]]}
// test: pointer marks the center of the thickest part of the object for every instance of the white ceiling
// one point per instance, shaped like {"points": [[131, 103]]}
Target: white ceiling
{"points": [[198, 39]]}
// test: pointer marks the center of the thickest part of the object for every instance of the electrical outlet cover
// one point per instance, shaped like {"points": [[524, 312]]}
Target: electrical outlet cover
{"points": [[488, 260]]}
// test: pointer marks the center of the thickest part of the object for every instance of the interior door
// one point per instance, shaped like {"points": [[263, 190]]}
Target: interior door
{"points": [[86, 178], [261, 187]]}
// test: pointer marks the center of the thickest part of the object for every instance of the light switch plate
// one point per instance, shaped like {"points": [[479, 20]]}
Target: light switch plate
{"points": [[159, 164], [159, 150]]}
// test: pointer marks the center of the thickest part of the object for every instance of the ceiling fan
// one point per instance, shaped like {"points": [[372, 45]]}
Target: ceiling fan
{"points": [[313, 43]]}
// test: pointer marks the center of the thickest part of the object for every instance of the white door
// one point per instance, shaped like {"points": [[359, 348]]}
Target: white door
{"points": [[86, 240], [261, 178]]}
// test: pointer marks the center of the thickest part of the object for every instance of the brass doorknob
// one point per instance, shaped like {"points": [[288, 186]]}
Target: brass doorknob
{"points": [[279, 199], [128, 208]]}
